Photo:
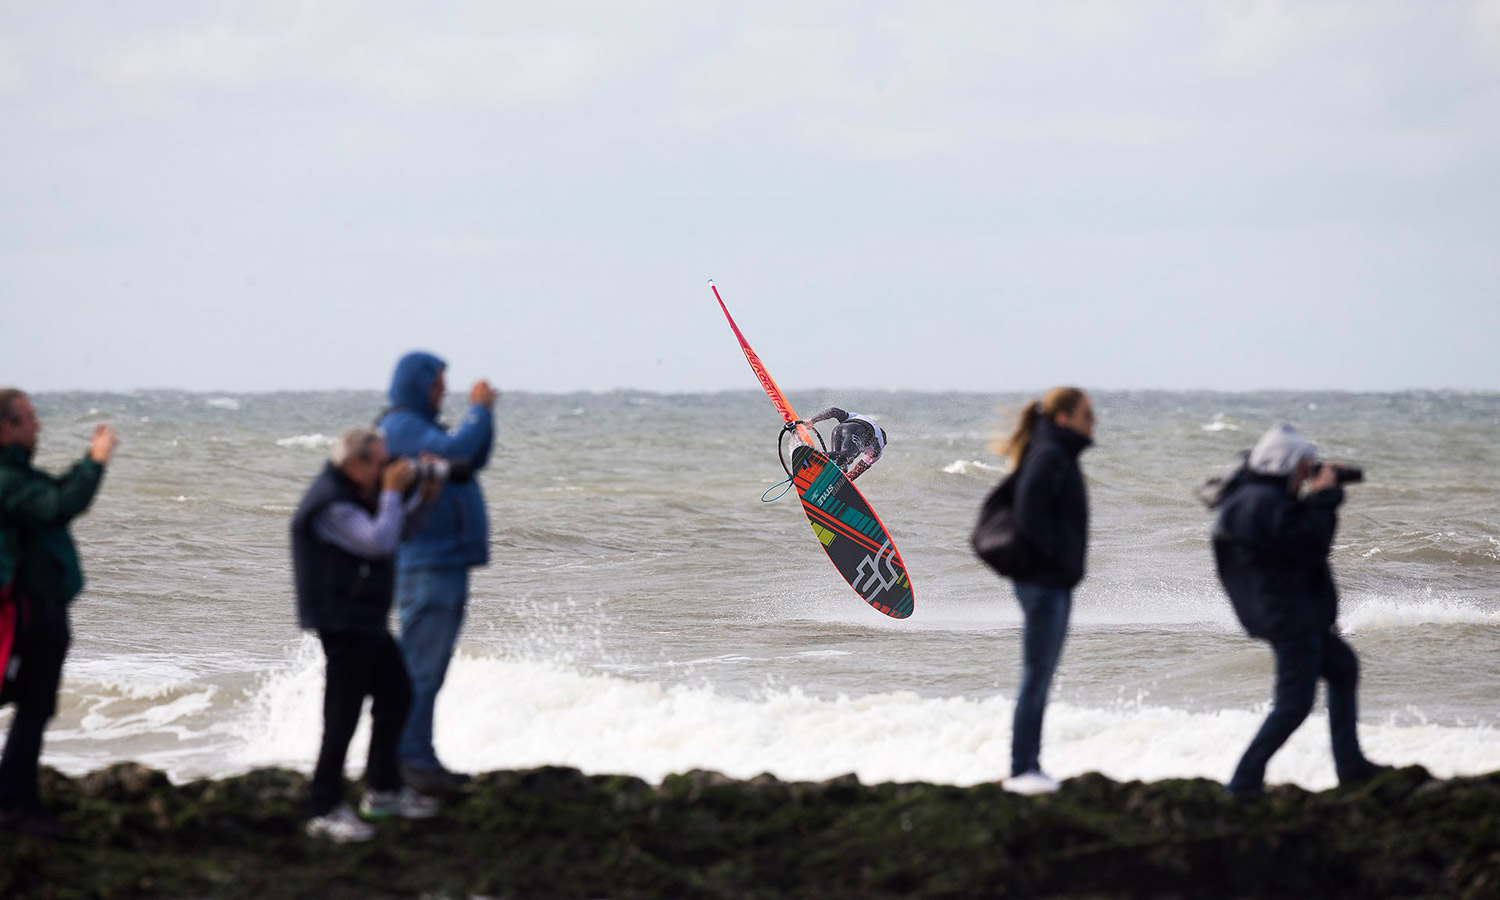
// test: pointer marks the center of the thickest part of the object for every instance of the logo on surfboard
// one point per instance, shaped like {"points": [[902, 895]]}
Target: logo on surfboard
{"points": [[871, 566]]}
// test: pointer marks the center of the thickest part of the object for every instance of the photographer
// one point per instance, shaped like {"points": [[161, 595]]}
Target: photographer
{"points": [[1271, 544], [39, 567], [344, 538], [432, 566]]}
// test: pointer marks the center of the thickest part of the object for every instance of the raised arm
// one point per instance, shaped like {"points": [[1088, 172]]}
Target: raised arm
{"points": [[832, 412], [469, 441], [48, 501]]}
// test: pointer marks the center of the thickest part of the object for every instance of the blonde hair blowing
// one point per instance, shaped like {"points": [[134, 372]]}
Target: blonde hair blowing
{"points": [[1058, 400]]}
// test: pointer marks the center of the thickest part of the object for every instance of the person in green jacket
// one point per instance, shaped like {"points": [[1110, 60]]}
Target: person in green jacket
{"points": [[40, 564]]}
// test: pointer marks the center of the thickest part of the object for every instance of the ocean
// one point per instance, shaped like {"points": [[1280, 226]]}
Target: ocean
{"points": [[645, 612]]}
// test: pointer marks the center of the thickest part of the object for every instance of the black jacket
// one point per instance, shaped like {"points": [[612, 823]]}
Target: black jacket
{"points": [[336, 590], [1272, 553], [1052, 506]]}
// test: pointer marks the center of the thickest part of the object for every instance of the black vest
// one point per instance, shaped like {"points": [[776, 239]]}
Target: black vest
{"points": [[336, 590]]}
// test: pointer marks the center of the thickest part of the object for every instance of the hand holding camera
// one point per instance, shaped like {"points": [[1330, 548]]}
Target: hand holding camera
{"points": [[398, 476]]}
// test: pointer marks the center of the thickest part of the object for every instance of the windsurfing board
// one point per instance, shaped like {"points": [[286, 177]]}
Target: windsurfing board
{"points": [[851, 534]]}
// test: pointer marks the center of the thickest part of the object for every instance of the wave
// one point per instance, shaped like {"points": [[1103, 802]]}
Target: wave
{"points": [[1460, 548], [499, 713], [1369, 614], [228, 403], [306, 441], [1220, 424], [973, 467]]}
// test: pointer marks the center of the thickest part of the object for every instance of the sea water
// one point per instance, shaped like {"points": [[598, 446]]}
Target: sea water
{"points": [[645, 612]]}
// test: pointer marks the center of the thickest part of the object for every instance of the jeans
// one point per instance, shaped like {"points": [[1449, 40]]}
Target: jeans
{"points": [[1300, 662], [1047, 611], [360, 664], [431, 603], [42, 639]]}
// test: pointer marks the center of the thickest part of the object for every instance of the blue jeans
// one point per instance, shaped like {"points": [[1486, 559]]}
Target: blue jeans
{"points": [[1300, 662], [431, 603], [1047, 611]]}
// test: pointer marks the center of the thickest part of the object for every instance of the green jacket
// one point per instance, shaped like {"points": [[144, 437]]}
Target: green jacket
{"points": [[35, 509]]}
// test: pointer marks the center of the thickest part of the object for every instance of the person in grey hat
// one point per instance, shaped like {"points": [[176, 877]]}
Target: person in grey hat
{"points": [[1271, 543]]}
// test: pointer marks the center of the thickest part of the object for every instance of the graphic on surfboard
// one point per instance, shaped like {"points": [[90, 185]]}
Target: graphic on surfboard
{"points": [[849, 531]]}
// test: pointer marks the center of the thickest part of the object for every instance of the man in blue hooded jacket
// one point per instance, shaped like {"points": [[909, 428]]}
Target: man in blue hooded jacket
{"points": [[432, 566]]}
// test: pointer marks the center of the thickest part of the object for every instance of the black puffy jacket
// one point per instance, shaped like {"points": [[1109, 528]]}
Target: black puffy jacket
{"points": [[1052, 506], [1272, 553]]}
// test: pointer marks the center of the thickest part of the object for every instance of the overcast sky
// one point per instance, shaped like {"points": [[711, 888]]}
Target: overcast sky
{"points": [[977, 196]]}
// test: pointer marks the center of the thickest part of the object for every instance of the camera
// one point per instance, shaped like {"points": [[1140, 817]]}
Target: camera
{"points": [[441, 470], [429, 469], [1343, 474]]}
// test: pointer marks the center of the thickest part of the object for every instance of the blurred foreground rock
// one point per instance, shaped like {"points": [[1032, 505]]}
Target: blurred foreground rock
{"points": [[555, 832]]}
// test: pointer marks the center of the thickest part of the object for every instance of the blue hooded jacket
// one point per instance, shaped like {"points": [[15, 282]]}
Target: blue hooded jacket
{"points": [[457, 534]]}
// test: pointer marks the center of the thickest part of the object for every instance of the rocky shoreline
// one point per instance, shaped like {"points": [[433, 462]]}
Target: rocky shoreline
{"points": [[554, 832]]}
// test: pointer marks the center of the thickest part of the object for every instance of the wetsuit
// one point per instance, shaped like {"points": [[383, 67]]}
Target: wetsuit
{"points": [[856, 443]]}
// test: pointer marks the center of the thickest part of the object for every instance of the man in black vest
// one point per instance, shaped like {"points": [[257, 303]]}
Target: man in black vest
{"points": [[344, 538]]}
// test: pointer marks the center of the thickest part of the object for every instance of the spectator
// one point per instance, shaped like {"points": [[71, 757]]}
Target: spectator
{"points": [[1052, 522], [432, 566], [1271, 547], [344, 537], [39, 563]]}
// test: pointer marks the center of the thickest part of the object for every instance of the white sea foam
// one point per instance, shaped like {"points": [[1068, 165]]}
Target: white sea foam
{"points": [[133, 677], [306, 441], [972, 467], [222, 403], [1381, 614], [1220, 424], [497, 713]]}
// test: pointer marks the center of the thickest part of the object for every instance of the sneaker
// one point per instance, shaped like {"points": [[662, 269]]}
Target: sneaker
{"points": [[341, 826], [406, 803], [1030, 783]]}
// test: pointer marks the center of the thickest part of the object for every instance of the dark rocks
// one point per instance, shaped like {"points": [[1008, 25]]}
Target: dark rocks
{"points": [[555, 832]]}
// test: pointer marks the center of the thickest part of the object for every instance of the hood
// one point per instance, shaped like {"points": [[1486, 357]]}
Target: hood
{"points": [[1279, 450], [412, 382]]}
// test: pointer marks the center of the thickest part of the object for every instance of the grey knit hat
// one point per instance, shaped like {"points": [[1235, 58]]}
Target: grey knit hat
{"points": [[1280, 449]]}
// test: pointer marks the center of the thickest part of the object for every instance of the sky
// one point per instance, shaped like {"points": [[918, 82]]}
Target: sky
{"points": [[1122, 194]]}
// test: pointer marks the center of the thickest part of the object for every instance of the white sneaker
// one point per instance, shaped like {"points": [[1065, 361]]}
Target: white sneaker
{"points": [[1030, 783], [341, 826], [406, 803]]}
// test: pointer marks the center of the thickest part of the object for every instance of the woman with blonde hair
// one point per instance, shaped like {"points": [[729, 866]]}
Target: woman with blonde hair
{"points": [[1051, 516]]}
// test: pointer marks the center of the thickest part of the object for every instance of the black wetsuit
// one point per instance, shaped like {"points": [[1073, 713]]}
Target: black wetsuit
{"points": [[856, 442]]}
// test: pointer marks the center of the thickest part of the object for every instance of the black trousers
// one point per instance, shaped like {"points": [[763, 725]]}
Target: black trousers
{"points": [[360, 664], [1300, 662], [42, 639]]}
